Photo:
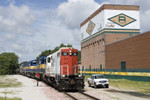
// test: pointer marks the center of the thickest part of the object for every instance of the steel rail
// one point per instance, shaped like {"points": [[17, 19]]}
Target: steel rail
{"points": [[82, 93]]}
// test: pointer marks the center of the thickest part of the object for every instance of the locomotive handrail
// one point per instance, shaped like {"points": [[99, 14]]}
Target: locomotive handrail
{"points": [[79, 67], [74, 67], [75, 71], [61, 72]]}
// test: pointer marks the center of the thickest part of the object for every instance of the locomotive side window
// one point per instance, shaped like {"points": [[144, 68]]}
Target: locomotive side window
{"points": [[42, 62], [74, 53], [64, 53], [49, 59]]}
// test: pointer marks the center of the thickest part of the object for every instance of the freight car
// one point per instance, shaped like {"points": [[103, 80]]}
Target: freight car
{"points": [[59, 69]]}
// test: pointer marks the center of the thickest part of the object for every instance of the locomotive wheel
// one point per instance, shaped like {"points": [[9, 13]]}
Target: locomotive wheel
{"points": [[59, 88]]}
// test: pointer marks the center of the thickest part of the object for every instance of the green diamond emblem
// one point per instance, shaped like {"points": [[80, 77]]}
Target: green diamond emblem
{"points": [[122, 19]]}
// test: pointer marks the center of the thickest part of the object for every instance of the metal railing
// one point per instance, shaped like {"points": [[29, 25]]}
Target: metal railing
{"points": [[64, 68], [80, 69]]}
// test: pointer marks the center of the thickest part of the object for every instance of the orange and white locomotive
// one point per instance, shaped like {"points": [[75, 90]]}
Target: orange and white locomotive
{"points": [[61, 70]]}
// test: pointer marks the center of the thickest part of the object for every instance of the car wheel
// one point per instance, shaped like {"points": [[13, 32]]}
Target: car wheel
{"points": [[89, 84], [95, 86], [107, 86]]}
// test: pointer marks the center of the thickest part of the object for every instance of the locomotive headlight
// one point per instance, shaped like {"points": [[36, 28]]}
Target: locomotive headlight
{"points": [[79, 75], [63, 75], [70, 51]]}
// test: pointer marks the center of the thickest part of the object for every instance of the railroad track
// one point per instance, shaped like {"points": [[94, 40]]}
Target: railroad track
{"points": [[80, 96]]}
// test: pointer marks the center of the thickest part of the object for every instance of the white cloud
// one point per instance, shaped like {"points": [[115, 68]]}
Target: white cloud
{"points": [[16, 19], [63, 24], [15, 28], [73, 12], [51, 27]]}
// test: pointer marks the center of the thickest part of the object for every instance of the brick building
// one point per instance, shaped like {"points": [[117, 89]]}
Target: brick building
{"points": [[111, 37], [130, 54]]}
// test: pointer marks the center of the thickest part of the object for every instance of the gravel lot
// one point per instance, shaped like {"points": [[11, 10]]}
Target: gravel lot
{"points": [[115, 94], [29, 91]]}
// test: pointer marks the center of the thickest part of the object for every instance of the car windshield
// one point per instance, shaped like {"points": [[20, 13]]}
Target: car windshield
{"points": [[99, 76]]}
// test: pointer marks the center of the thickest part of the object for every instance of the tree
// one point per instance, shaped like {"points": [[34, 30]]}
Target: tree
{"points": [[8, 63], [62, 45], [79, 56], [56, 49], [69, 45], [44, 53], [48, 52]]}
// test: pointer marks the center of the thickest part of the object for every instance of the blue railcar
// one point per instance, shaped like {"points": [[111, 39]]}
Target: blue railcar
{"points": [[40, 67], [32, 68], [27, 68], [24, 68]]}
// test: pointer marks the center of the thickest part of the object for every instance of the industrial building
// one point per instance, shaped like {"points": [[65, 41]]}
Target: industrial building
{"points": [[111, 40]]}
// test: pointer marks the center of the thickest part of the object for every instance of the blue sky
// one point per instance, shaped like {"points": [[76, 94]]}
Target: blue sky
{"points": [[28, 27]]}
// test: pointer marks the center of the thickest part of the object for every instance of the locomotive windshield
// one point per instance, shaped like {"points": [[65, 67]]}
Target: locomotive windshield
{"points": [[33, 63], [64, 53], [74, 53]]}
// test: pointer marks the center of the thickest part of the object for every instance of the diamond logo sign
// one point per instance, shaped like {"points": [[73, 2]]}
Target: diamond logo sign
{"points": [[90, 27], [122, 20]]}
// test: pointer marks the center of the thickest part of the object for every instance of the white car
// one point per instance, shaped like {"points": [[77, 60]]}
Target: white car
{"points": [[98, 80]]}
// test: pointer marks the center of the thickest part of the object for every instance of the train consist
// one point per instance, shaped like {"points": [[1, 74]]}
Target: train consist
{"points": [[59, 69]]}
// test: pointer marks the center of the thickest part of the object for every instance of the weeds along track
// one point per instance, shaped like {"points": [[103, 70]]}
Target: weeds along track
{"points": [[80, 96]]}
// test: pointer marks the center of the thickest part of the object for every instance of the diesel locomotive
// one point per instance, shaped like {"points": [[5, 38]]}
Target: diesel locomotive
{"points": [[59, 69]]}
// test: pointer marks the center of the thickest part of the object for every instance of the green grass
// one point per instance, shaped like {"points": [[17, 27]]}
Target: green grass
{"points": [[8, 82], [139, 86], [3, 98], [87, 76]]}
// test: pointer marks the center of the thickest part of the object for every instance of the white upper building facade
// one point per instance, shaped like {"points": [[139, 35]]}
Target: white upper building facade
{"points": [[111, 17]]}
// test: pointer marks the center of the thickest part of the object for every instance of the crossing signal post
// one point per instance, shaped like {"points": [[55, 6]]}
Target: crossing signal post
{"points": [[37, 76]]}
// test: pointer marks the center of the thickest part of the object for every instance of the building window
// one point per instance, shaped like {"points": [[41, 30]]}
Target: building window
{"points": [[90, 68], [123, 66], [101, 67]]}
